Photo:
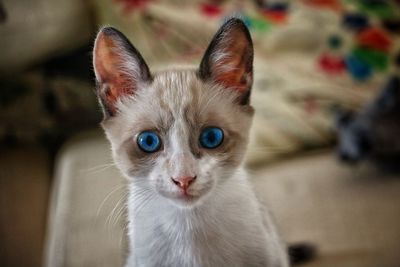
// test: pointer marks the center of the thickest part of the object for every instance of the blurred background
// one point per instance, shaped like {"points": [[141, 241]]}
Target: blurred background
{"points": [[61, 198]]}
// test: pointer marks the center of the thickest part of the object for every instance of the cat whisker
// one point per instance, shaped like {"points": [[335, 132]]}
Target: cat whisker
{"points": [[122, 211], [112, 213], [144, 201], [107, 197], [99, 168]]}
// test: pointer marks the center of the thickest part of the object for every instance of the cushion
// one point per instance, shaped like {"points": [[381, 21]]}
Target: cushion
{"points": [[351, 215]]}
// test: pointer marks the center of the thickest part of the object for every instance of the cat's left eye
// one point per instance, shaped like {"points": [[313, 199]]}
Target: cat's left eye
{"points": [[211, 137], [149, 141]]}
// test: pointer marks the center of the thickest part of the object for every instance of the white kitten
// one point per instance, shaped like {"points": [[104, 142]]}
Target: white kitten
{"points": [[179, 136]]}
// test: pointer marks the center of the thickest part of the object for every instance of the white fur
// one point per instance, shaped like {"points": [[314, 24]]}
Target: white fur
{"points": [[223, 225], [227, 229], [218, 221]]}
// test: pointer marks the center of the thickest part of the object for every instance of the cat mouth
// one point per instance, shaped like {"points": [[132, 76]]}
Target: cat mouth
{"points": [[186, 196], [181, 196], [192, 195]]}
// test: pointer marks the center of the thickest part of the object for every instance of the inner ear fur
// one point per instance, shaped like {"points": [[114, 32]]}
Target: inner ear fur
{"points": [[118, 66], [228, 59]]}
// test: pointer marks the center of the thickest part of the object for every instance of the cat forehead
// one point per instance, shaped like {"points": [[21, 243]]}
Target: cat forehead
{"points": [[180, 95], [182, 91], [176, 87]]}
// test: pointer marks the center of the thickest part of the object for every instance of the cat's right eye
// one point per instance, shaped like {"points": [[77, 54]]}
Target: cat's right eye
{"points": [[149, 141], [211, 137]]}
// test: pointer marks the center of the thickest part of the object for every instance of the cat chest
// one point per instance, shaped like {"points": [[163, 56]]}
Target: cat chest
{"points": [[184, 246]]}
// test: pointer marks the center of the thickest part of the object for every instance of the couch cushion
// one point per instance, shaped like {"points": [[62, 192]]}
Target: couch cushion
{"points": [[86, 217], [352, 215]]}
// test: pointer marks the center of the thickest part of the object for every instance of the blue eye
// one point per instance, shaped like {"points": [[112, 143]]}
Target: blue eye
{"points": [[149, 141], [211, 137]]}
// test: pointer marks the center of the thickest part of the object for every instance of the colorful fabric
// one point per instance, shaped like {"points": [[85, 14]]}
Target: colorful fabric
{"points": [[310, 56]]}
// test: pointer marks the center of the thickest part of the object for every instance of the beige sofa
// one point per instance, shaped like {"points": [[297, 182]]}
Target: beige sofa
{"points": [[351, 214]]}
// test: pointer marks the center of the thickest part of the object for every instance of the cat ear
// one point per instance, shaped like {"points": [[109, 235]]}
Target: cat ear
{"points": [[119, 68], [228, 59]]}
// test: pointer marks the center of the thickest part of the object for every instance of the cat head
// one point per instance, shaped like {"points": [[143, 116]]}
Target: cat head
{"points": [[179, 133]]}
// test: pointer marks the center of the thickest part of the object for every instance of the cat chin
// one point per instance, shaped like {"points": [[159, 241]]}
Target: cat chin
{"points": [[186, 201]]}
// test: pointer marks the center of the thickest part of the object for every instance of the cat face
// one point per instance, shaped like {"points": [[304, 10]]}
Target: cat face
{"points": [[177, 133]]}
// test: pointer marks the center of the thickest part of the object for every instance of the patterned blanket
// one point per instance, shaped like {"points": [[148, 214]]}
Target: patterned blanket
{"points": [[310, 57]]}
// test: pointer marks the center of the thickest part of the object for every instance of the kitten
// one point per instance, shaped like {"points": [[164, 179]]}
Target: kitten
{"points": [[179, 137], [373, 133]]}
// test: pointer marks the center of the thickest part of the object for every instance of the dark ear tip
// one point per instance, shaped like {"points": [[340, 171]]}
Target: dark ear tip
{"points": [[235, 21], [109, 31], [236, 24], [112, 33]]}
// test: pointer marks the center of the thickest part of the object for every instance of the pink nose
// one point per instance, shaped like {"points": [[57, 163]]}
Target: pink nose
{"points": [[183, 182]]}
